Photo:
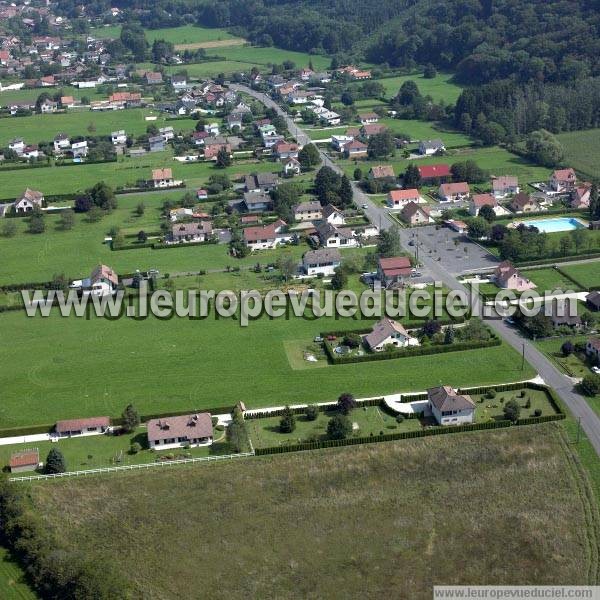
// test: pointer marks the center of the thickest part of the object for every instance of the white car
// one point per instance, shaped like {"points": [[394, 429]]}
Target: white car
{"points": [[365, 206], [596, 370]]}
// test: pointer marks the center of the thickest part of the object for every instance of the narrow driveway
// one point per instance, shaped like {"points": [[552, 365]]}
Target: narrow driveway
{"points": [[590, 421]]}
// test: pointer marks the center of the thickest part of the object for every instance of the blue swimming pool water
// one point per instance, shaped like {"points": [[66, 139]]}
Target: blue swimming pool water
{"points": [[554, 225]]}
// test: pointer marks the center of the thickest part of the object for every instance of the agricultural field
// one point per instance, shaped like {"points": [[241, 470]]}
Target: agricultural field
{"points": [[31, 94], [328, 492], [441, 87], [582, 150], [586, 274], [124, 173], [187, 34], [37, 128], [153, 363], [254, 55]]}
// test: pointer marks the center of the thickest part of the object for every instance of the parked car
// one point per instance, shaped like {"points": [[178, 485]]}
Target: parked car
{"points": [[318, 339], [596, 370]]}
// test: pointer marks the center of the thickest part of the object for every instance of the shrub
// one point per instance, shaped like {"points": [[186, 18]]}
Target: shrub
{"points": [[590, 385], [399, 418], [339, 427], [311, 412], [135, 448], [346, 403], [512, 410], [287, 424], [537, 412], [491, 394]]}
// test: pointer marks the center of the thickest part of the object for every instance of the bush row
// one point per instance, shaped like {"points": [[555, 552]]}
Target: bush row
{"points": [[300, 410], [386, 437], [557, 259], [161, 246], [139, 190], [86, 162]]}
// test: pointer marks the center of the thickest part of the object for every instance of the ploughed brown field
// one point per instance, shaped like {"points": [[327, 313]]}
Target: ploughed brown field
{"points": [[379, 520]]}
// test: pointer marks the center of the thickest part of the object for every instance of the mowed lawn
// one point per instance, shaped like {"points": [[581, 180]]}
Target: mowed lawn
{"points": [[124, 173], [439, 88], [586, 274], [74, 367], [31, 94], [39, 128], [582, 150], [354, 515], [12, 579], [187, 34], [266, 56], [550, 280]]}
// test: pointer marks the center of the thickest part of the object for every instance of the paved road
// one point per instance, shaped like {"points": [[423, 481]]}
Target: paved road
{"points": [[378, 215]]}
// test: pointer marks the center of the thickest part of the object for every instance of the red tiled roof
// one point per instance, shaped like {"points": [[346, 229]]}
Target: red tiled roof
{"points": [[397, 195], [80, 424], [432, 171], [24, 458]]}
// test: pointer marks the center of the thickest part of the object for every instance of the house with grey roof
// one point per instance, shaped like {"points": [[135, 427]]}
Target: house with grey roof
{"points": [[388, 333], [175, 432], [257, 202], [429, 147], [449, 407], [323, 261]]}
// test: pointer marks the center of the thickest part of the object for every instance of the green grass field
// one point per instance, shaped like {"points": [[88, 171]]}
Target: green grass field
{"points": [[187, 34], [439, 88], [124, 173], [98, 366], [550, 280], [582, 150], [266, 56], [587, 274], [31, 95], [361, 514], [37, 128]]}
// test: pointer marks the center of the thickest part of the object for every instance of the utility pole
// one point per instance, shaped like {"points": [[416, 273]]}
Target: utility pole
{"points": [[523, 358]]}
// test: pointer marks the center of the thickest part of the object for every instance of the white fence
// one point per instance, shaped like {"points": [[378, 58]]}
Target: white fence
{"points": [[167, 463]]}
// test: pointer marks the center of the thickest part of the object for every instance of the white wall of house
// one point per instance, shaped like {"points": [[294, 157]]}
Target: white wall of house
{"points": [[179, 443], [458, 417]]}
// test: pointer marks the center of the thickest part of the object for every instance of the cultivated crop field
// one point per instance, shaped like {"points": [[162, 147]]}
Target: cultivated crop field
{"points": [[582, 149], [352, 516], [90, 367]]}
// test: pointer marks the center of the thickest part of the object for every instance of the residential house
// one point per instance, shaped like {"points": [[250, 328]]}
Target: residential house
{"points": [[381, 172], [191, 232], [18, 145], [592, 349], [157, 143], [202, 194], [162, 178], [298, 96], [368, 118], [413, 214], [563, 181], [235, 120], [339, 141], [267, 236], [80, 427], [563, 313], [118, 138], [524, 203], [291, 167], [24, 460], [333, 215], [153, 78], [372, 129], [453, 192], [261, 182], [67, 101], [308, 211], [478, 201], [256, 202], [32, 151], [61, 143], [212, 128], [331, 236], [177, 214], [393, 270], [387, 334], [284, 150], [580, 196], [79, 149], [398, 199], [456, 225], [431, 174], [323, 261], [507, 277], [179, 82], [504, 186], [430, 147], [212, 149], [48, 106], [592, 300], [355, 149], [178, 431], [449, 407], [28, 201], [103, 280]]}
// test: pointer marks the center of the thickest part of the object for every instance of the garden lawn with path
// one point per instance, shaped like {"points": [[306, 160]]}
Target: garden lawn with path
{"points": [[586, 274]]}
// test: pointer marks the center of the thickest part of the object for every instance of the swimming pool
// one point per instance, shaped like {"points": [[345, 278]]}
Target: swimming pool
{"points": [[554, 225]]}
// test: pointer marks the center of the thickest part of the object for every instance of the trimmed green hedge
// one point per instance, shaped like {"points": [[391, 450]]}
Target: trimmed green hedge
{"points": [[300, 410], [557, 259], [386, 437]]}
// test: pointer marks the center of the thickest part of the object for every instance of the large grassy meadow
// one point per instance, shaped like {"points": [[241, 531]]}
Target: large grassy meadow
{"points": [[89, 367], [39, 128], [187, 34], [441, 87], [582, 150], [481, 498]]}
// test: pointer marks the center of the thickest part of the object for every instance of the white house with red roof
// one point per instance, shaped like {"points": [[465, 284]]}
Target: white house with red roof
{"points": [[398, 199], [393, 270], [267, 236], [453, 192], [563, 181]]}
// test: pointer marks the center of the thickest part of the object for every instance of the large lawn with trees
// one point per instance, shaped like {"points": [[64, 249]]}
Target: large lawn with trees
{"points": [[360, 510], [90, 367], [440, 87], [582, 151]]}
